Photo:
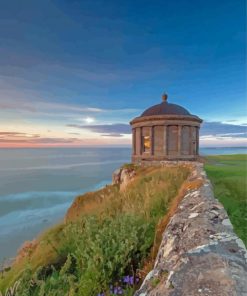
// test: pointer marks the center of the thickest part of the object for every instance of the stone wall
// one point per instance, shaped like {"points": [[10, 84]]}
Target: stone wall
{"points": [[200, 254]]}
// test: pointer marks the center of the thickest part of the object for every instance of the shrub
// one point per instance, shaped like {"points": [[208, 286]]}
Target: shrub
{"points": [[100, 252]]}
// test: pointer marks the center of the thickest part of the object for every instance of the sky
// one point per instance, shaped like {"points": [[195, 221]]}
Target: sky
{"points": [[74, 73]]}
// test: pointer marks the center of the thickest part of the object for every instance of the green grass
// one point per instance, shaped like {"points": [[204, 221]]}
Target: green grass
{"points": [[228, 173], [107, 235], [110, 233]]}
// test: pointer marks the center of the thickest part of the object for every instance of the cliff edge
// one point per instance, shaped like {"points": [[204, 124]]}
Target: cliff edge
{"points": [[199, 254], [110, 238]]}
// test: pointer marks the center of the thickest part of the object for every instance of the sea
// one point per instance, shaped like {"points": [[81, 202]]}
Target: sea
{"points": [[38, 185]]}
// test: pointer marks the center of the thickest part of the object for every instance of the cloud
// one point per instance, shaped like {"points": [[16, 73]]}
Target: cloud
{"points": [[233, 135], [45, 106], [115, 135], [67, 107], [219, 129], [39, 141], [220, 134], [16, 106], [211, 133], [4, 135], [117, 128], [74, 134], [25, 138], [12, 134], [53, 140], [60, 111]]}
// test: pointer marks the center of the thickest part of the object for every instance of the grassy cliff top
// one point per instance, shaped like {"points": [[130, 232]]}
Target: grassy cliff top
{"points": [[228, 174], [108, 235]]}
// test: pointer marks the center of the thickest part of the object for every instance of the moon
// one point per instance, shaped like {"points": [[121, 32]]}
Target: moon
{"points": [[89, 119]]}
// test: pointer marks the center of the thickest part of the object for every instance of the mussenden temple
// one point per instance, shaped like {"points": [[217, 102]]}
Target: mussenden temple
{"points": [[165, 132]]}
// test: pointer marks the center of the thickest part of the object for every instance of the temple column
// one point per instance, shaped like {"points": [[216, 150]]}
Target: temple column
{"points": [[197, 141], [179, 139], [138, 141], [165, 140], [190, 139], [141, 141], [133, 141], [152, 140]]}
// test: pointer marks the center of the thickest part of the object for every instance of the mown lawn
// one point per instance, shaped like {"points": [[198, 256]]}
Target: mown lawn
{"points": [[228, 173]]}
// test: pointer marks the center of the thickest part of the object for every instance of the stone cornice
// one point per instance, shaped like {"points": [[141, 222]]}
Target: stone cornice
{"points": [[166, 117]]}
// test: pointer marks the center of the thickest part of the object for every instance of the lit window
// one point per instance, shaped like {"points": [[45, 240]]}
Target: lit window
{"points": [[146, 143]]}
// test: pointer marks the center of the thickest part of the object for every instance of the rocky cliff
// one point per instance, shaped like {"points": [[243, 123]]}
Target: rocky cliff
{"points": [[199, 253]]}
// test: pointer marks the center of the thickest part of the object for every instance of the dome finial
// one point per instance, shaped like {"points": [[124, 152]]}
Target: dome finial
{"points": [[164, 97]]}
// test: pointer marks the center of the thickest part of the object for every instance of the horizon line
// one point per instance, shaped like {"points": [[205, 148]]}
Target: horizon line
{"points": [[108, 146]]}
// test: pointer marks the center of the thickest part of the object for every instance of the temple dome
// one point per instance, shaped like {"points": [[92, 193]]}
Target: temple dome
{"points": [[165, 108]]}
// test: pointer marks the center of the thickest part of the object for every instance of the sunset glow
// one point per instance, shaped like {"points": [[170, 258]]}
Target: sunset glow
{"points": [[69, 80]]}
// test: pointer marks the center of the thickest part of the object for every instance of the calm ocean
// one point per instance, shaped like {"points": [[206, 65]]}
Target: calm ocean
{"points": [[38, 185]]}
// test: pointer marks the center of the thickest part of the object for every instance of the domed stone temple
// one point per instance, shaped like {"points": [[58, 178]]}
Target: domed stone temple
{"points": [[165, 132]]}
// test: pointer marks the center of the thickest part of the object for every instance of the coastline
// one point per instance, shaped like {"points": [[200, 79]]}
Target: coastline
{"points": [[44, 222]]}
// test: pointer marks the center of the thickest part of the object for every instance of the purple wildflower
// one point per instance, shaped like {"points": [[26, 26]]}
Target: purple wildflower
{"points": [[126, 279]]}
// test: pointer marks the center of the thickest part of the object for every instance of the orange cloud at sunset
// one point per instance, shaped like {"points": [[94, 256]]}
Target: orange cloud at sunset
{"points": [[21, 140]]}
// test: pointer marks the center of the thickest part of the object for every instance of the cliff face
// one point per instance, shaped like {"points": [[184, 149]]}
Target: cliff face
{"points": [[199, 253]]}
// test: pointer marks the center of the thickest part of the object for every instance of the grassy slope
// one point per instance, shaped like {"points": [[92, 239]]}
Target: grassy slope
{"points": [[228, 173], [142, 207]]}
